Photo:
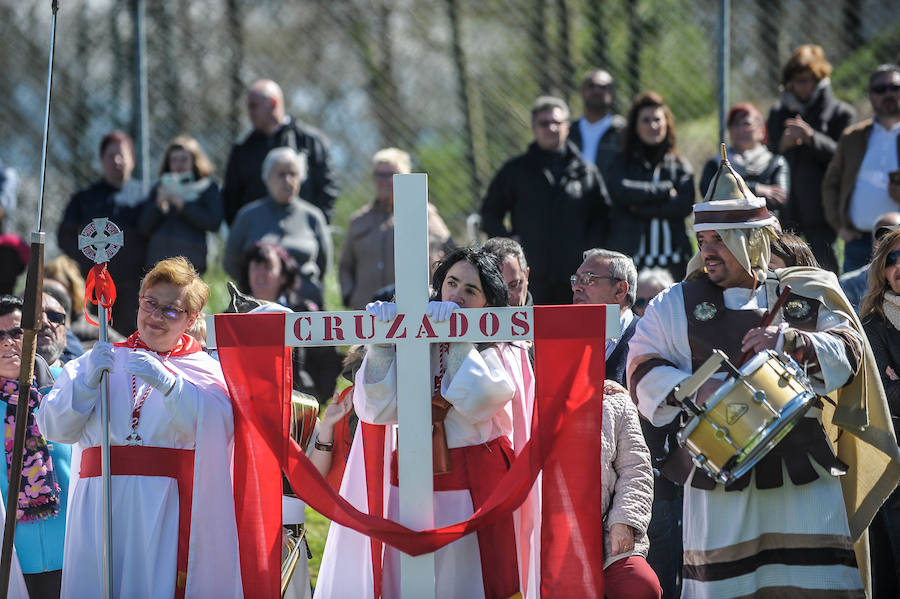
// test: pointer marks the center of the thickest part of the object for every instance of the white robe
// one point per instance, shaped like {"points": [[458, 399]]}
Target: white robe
{"points": [[16, 588], [491, 393], [145, 508], [774, 517]]}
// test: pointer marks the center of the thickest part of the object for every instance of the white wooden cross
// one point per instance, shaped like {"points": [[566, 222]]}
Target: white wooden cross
{"points": [[411, 331]]}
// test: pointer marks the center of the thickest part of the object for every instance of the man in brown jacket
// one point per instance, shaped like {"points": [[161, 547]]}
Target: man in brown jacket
{"points": [[858, 187]]}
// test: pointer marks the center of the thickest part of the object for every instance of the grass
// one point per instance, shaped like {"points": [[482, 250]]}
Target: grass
{"points": [[316, 533]]}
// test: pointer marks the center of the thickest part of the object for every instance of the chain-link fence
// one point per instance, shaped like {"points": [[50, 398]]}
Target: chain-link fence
{"points": [[451, 81]]}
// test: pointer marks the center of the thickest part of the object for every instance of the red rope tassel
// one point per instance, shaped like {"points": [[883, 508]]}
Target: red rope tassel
{"points": [[99, 289]]}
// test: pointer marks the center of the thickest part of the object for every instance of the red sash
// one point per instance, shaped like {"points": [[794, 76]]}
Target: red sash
{"points": [[127, 460], [478, 469]]}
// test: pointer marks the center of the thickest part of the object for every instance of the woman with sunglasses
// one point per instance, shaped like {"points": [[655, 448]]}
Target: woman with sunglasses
{"points": [[44, 487], [880, 315], [171, 429]]}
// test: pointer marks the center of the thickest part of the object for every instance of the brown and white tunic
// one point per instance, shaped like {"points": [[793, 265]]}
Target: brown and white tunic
{"points": [[782, 528]]}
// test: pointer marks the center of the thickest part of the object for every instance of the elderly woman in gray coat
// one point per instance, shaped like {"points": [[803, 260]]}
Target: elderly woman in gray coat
{"points": [[627, 479], [283, 217]]}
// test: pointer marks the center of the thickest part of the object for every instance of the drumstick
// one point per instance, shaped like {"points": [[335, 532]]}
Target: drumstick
{"points": [[767, 319]]}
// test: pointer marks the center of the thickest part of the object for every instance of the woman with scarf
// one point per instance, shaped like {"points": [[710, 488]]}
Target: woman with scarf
{"points": [[183, 206], [804, 126], [44, 488], [880, 315], [171, 431], [652, 190], [765, 173]]}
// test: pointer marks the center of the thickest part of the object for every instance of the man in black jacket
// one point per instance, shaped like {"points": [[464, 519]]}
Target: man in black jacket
{"points": [[556, 201], [607, 277], [598, 134], [115, 196], [272, 128]]}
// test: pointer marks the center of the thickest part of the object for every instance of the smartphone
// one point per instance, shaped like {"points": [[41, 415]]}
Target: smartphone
{"points": [[894, 177]]}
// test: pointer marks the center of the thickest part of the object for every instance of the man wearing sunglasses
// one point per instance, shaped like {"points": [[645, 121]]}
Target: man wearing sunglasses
{"points": [[863, 178], [54, 343]]}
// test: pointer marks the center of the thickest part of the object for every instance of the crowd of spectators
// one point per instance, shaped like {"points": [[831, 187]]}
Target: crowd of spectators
{"points": [[603, 180]]}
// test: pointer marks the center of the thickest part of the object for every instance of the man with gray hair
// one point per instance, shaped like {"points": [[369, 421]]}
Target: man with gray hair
{"points": [[607, 277], [55, 343], [650, 282], [272, 128], [514, 267], [557, 202]]}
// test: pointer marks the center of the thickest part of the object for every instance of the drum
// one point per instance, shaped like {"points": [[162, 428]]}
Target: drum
{"points": [[304, 413], [747, 416]]}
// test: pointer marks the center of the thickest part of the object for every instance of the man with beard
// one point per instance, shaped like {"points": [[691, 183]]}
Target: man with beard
{"points": [[858, 185], [792, 521], [514, 268], [598, 134], [116, 196]]}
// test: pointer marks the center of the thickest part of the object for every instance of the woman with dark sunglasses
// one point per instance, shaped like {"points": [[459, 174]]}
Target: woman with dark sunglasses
{"points": [[880, 315], [171, 428], [44, 487]]}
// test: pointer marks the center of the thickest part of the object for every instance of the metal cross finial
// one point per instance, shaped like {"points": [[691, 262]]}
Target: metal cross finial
{"points": [[100, 240]]}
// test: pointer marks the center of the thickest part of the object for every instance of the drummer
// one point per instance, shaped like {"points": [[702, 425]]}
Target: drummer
{"points": [[783, 526]]}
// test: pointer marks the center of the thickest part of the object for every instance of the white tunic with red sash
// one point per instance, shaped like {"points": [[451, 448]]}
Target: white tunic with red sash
{"points": [[492, 393], [149, 504]]}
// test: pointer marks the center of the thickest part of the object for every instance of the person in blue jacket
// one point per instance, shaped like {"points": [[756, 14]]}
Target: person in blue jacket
{"points": [[44, 487]]}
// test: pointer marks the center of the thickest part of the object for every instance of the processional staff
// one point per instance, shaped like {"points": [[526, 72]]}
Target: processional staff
{"points": [[100, 241], [31, 322]]}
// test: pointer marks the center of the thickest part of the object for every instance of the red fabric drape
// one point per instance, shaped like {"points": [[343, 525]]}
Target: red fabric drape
{"points": [[566, 443]]}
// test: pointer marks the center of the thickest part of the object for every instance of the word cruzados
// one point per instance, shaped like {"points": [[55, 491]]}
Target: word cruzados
{"points": [[342, 328]]}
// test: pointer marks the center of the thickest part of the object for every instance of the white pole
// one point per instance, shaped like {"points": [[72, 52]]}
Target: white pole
{"points": [[142, 96], [417, 575], [105, 467]]}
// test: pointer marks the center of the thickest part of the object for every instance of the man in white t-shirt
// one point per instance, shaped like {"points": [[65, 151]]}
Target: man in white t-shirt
{"points": [[597, 133], [858, 187]]}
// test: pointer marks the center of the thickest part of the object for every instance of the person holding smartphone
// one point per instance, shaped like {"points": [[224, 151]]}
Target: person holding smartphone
{"points": [[862, 181]]}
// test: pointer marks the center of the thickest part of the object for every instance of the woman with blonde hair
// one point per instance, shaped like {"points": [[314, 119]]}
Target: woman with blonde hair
{"points": [[171, 430], [65, 270], [367, 255], [880, 315], [804, 126], [183, 206]]}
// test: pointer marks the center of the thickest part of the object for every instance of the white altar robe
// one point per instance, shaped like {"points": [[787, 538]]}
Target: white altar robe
{"points": [[492, 393], [145, 508], [17, 588]]}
